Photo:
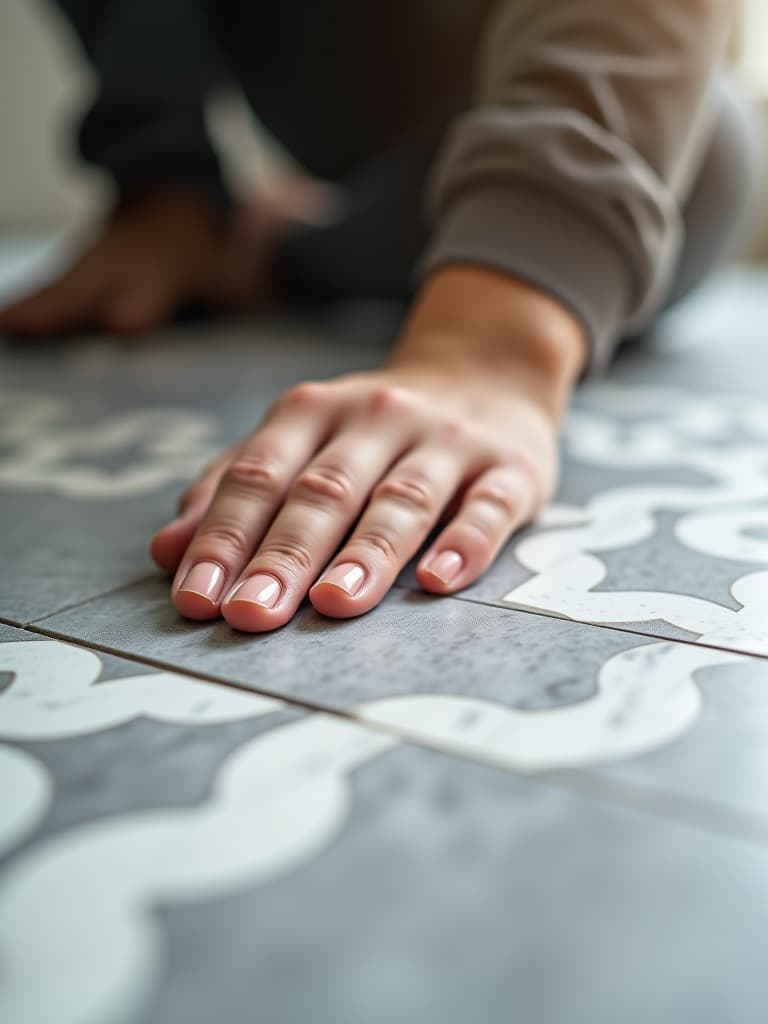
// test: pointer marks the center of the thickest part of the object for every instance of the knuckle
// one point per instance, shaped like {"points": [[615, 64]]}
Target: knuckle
{"points": [[300, 396], [478, 532], [519, 461], [254, 476], [380, 541], [290, 553], [502, 500], [390, 400], [323, 485], [410, 491], [455, 433], [222, 536]]}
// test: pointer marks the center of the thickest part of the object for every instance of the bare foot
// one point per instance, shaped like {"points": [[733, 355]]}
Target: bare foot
{"points": [[159, 253]]}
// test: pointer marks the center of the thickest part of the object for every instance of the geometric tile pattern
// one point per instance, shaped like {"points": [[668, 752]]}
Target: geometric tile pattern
{"points": [[546, 792]]}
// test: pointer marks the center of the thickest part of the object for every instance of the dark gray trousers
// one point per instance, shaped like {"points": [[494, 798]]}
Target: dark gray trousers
{"points": [[360, 93]]}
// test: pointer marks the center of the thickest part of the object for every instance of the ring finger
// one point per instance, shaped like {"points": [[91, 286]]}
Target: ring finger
{"points": [[322, 504], [498, 502], [403, 509]]}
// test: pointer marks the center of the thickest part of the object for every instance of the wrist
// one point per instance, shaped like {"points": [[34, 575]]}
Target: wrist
{"points": [[472, 320]]}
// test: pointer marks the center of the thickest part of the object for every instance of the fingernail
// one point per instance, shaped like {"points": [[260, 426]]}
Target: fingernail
{"points": [[204, 579], [260, 589], [446, 566], [348, 576]]}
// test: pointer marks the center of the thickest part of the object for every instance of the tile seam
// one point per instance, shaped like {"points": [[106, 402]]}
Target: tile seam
{"points": [[746, 828]]}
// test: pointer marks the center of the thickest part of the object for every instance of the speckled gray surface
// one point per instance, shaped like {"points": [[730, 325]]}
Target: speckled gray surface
{"points": [[136, 765], [626, 882], [471, 895], [723, 758], [65, 504], [231, 372], [411, 643], [683, 718], [439, 889]]}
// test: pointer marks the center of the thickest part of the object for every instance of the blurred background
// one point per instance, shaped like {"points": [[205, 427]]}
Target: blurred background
{"points": [[44, 85]]}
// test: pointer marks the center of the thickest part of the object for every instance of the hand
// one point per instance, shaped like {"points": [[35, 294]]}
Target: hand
{"points": [[386, 455], [378, 452]]}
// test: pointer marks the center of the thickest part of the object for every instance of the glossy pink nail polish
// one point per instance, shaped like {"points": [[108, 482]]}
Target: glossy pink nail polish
{"points": [[260, 589], [206, 579], [446, 566], [348, 577]]}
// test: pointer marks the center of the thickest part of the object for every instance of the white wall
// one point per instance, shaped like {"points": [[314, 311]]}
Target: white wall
{"points": [[43, 84]]}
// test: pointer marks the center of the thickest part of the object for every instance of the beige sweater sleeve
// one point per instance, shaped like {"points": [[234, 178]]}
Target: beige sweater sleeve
{"points": [[571, 168]]}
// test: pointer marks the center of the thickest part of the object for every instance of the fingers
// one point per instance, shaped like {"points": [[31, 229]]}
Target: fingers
{"points": [[250, 490], [496, 504], [169, 543], [403, 509], [323, 503], [256, 531]]}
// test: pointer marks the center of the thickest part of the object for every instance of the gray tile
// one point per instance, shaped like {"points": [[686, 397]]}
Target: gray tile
{"points": [[99, 436], [661, 520], [302, 867], [721, 759], [410, 644], [89, 719], [80, 458], [528, 692]]}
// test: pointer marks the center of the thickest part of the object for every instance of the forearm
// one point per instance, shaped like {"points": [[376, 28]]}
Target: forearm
{"points": [[469, 321]]}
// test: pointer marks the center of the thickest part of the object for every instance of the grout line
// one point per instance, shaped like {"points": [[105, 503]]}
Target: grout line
{"points": [[659, 638], [166, 666], [89, 600], [707, 816], [536, 613]]}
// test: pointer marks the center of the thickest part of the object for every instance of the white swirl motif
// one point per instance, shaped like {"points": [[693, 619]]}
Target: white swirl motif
{"points": [[40, 452], [686, 433], [77, 907]]}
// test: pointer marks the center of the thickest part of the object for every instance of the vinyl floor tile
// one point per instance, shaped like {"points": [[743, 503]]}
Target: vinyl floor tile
{"points": [[167, 859], [529, 692], [661, 521], [98, 438]]}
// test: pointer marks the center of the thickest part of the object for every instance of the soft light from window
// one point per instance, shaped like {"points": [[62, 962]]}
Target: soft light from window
{"points": [[753, 43]]}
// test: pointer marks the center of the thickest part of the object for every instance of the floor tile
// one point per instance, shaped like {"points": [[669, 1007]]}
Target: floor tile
{"points": [[98, 438], [529, 692], [169, 859], [661, 521]]}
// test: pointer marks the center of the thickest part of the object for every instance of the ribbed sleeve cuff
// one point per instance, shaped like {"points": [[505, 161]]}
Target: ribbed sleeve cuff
{"points": [[544, 240]]}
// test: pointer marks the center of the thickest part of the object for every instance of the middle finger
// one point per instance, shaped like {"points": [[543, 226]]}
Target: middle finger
{"points": [[322, 504]]}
